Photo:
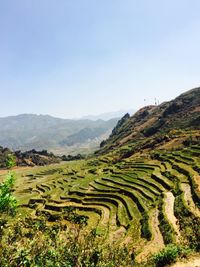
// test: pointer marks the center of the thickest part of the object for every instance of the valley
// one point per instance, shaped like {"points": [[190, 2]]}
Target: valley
{"points": [[99, 133], [139, 196]]}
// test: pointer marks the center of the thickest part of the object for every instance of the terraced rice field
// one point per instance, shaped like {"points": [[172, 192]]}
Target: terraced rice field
{"points": [[130, 203]]}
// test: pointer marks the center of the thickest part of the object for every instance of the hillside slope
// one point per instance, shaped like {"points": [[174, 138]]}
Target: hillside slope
{"points": [[182, 113], [141, 194]]}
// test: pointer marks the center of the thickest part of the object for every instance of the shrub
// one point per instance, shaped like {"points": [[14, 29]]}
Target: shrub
{"points": [[189, 224], [166, 256], [10, 161], [8, 202], [50, 245]]}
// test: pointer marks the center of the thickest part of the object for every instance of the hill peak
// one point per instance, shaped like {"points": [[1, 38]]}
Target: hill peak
{"points": [[181, 113]]}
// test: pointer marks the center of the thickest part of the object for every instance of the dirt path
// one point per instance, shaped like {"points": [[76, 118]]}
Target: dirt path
{"points": [[169, 211], [188, 199], [157, 243], [192, 263]]}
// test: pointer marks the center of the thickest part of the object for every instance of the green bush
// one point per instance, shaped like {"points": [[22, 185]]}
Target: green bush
{"points": [[166, 256], [25, 245], [189, 224], [10, 161], [8, 202]]}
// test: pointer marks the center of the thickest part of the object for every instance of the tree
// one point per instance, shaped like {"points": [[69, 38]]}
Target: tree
{"points": [[8, 202], [10, 161]]}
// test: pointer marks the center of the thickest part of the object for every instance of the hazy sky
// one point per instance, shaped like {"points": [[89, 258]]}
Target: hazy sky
{"points": [[70, 58]]}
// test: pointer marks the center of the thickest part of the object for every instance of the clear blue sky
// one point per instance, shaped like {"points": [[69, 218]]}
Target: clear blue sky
{"points": [[70, 58]]}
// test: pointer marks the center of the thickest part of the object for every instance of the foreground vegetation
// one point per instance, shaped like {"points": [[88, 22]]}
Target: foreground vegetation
{"points": [[138, 211], [33, 242], [36, 243]]}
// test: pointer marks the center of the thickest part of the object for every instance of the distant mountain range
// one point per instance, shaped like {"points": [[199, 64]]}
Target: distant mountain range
{"points": [[29, 131]]}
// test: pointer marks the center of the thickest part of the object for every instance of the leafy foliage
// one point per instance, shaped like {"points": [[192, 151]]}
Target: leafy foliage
{"points": [[8, 202], [42, 244], [10, 161], [189, 224], [168, 255]]}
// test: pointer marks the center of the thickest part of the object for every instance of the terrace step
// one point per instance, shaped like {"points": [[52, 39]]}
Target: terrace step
{"points": [[156, 243], [169, 211], [190, 205]]}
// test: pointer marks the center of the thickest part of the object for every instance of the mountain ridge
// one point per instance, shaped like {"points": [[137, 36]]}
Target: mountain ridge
{"points": [[30, 131], [183, 112]]}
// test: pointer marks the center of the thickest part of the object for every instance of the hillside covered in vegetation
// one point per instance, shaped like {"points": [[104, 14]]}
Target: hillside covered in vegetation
{"points": [[153, 126], [134, 203]]}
